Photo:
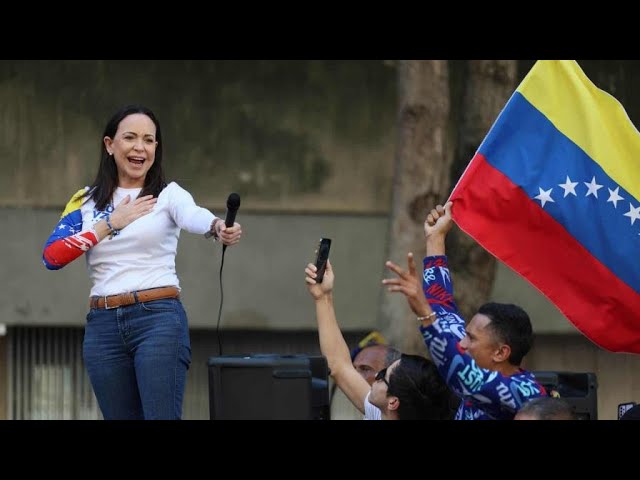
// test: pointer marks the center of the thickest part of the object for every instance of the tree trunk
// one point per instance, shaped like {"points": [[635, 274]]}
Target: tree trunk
{"points": [[489, 84], [421, 179]]}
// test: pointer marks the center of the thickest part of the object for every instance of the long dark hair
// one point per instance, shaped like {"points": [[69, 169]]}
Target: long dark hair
{"points": [[101, 191]]}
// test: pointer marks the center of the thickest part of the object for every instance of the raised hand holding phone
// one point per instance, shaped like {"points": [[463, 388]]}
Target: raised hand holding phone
{"points": [[322, 256]]}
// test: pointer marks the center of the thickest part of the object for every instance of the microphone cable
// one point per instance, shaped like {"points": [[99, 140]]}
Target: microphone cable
{"points": [[233, 203], [221, 301]]}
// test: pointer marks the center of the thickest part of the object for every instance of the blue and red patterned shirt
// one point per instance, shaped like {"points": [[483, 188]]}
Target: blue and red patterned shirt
{"points": [[486, 394]]}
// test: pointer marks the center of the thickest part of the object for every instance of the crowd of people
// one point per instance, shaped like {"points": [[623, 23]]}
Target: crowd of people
{"points": [[136, 345], [475, 369]]}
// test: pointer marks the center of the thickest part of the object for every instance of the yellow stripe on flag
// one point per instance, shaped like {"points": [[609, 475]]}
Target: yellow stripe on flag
{"points": [[588, 116]]}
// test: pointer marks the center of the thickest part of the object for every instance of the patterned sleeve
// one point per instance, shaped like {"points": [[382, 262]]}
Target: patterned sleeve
{"points": [[68, 240], [437, 286], [490, 390]]}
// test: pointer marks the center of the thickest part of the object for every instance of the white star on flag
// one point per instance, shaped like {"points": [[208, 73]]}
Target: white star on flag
{"points": [[614, 196], [62, 227], [633, 214], [569, 187], [593, 188], [544, 196]]}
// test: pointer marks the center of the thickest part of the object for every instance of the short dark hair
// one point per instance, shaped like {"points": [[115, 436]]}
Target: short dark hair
{"points": [[511, 325], [106, 181], [422, 392], [548, 408]]}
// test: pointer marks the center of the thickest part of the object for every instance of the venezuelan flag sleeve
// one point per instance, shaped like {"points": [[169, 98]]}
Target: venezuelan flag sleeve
{"points": [[554, 192], [68, 240]]}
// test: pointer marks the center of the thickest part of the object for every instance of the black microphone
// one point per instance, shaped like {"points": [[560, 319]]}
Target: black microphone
{"points": [[233, 204]]}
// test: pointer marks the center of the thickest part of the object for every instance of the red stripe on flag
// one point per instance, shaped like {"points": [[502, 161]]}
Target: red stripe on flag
{"points": [[506, 222]]}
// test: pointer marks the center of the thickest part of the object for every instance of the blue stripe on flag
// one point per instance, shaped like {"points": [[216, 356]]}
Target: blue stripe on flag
{"points": [[535, 155]]}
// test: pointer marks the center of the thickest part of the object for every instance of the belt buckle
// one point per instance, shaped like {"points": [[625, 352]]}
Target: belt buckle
{"points": [[106, 306]]}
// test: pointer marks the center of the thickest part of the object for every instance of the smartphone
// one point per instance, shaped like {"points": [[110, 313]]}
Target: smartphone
{"points": [[323, 255]]}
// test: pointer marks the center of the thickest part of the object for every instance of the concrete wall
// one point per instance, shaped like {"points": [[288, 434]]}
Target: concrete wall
{"points": [[509, 287], [310, 147], [312, 137], [287, 135], [263, 276]]}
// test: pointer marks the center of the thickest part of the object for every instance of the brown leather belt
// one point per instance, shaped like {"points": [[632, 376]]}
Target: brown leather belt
{"points": [[129, 298]]}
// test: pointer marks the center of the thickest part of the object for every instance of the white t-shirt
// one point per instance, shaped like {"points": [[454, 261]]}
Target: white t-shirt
{"points": [[371, 412], [143, 254]]}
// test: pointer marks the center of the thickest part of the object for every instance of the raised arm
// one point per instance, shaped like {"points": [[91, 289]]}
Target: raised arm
{"points": [[436, 226], [433, 294], [442, 327], [332, 343], [442, 330]]}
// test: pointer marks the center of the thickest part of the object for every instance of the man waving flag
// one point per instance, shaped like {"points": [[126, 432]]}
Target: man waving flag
{"points": [[554, 192]]}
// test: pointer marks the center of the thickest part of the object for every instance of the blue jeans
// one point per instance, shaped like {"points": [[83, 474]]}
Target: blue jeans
{"points": [[137, 359]]}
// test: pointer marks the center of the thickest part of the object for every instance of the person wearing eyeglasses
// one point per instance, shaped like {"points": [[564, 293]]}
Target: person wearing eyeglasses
{"points": [[371, 355], [479, 361], [409, 389]]}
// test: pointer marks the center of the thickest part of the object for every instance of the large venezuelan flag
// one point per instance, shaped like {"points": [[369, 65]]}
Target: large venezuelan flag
{"points": [[554, 192]]}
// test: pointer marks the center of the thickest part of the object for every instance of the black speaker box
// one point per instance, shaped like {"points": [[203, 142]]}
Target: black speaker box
{"points": [[580, 390], [268, 387]]}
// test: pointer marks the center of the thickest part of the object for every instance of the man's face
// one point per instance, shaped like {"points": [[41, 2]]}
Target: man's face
{"points": [[480, 342], [370, 361], [380, 395]]}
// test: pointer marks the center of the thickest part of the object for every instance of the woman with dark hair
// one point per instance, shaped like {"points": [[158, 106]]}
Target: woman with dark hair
{"points": [[136, 344], [409, 389]]}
